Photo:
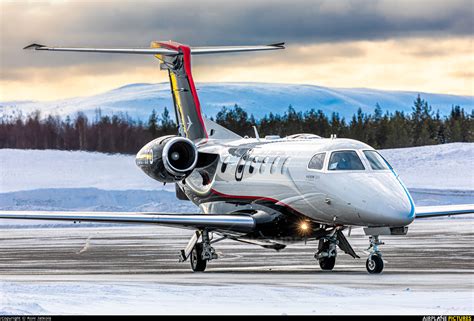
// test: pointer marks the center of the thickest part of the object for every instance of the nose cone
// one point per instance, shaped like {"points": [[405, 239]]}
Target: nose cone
{"points": [[391, 203], [399, 209]]}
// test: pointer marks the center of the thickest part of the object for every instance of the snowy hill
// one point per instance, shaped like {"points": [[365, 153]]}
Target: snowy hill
{"points": [[62, 180], [258, 98]]}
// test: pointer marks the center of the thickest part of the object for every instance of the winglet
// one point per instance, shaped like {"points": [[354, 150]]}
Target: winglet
{"points": [[34, 46], [279, 44]]}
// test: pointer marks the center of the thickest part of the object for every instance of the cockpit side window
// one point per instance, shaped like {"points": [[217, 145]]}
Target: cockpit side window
{"points": [[317, 161], [375, 160], [346, 160]]}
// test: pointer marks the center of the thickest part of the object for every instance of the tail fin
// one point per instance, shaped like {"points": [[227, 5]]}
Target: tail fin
{"points": [[176, 58], [186, 102]]}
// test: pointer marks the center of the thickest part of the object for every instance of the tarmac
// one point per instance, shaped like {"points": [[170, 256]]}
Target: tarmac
{"points": [[436, 256]]}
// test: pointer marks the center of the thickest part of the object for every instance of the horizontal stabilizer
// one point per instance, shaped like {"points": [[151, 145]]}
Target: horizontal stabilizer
{"points": [[139, 51], [226, 49], [230, 222], [161, 51], [443, 210]]}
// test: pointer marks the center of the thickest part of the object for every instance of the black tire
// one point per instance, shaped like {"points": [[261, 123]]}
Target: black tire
{"points": [[327, 263], [197, 263], [374, 264]]}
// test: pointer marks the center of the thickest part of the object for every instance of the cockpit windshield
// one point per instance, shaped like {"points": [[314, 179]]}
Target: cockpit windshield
{"points": [[376, 161], [345, 160]]}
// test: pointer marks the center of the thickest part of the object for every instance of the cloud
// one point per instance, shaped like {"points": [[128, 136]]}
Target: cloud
{"points": [[388, 64], [317, 31]]}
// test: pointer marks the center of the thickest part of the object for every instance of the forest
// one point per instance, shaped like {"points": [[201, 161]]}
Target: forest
{"points": [[122, 134]]}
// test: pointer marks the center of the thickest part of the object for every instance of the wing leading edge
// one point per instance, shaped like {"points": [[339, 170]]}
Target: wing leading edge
{"points": [[230, 222], [443, 210]]}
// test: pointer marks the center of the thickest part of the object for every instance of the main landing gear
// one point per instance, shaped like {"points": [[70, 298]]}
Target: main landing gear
{"points": [[374, 262], [199, 252], [327, 249], [327, 252]]}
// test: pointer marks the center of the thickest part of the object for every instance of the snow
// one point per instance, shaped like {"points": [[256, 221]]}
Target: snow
{"points": [[39, 169], [92, 199], [101, 297], [441, 167], [138, 100]]}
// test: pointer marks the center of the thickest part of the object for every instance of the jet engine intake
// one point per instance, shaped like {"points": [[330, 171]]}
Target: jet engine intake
{"points": [[168, 159]]}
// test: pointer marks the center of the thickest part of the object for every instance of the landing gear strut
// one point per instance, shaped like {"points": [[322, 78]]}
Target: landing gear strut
{"points": [[201, 253], [374, 262], [327, 252]]}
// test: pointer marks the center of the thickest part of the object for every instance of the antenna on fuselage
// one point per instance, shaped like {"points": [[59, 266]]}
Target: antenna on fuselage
{"points": [[257, 136]]}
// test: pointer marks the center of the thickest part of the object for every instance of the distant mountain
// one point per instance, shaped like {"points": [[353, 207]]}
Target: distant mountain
{"points": [[259, 99]]}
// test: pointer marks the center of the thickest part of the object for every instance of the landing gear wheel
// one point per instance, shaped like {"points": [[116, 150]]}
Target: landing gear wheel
{"points": [[374, 264], [327, 263], [197, 263]]}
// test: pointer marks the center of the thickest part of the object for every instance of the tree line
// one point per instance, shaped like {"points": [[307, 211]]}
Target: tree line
{"points": [[108, 134], [122, 134], [381, 130]]}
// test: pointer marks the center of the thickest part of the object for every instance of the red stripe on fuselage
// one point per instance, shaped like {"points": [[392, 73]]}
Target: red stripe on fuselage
{"points": [[256, 198]]}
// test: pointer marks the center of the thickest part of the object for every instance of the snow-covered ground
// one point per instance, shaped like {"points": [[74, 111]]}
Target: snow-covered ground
{"points": [[441, 167], [158, 298], [258, 98], [39, 169]]}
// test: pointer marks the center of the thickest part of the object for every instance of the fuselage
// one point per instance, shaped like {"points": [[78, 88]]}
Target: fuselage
{"points": [[277, 174]]}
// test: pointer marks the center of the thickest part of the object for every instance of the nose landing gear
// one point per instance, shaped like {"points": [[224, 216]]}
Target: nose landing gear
{"points": [[374, 262]]}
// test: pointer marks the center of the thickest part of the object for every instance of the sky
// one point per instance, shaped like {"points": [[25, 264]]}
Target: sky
{"points": [[416, 45]]}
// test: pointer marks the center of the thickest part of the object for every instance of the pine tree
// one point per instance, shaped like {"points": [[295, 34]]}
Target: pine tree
{"points": [[153, 124], [168, 127]]}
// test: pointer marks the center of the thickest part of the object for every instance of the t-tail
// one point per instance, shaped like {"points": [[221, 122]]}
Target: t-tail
{"points": [[176, 58]]}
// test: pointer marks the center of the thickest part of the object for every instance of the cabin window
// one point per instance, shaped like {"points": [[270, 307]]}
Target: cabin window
{"points": [[274, 165], [375, 160], [317, 161], [224, 164], [253, 164], [347, 160], [264, 164], [284, 167]]}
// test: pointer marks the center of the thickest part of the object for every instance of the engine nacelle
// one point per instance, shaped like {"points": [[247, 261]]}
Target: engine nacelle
{"points": [[168, 159]]}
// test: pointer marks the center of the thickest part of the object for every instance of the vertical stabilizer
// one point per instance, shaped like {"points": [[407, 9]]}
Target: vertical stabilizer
{"points": [[186, 102]]}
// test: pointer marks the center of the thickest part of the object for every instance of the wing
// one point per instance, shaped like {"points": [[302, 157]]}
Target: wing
{"points": [[443, 210], [161, 51], [229, 222]]}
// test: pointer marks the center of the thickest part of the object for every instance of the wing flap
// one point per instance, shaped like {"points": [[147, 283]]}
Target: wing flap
{"points": [[230, 222], [443, 210]]}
